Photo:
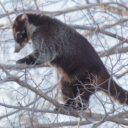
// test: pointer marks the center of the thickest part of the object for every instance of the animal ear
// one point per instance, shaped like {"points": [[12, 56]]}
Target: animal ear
{"points": [[24, 17]]}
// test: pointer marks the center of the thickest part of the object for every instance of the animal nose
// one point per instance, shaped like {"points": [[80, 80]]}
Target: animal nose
{"points": [[17, 48]]}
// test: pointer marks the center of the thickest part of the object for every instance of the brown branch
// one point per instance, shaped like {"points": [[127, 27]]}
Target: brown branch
{"points": [[60, 124], [89, 33], [65, 11], [71, 112], [83, 7], [95, 30], [122, 74], [12, 113], [23, 66], [113, 50], [120, 10]]}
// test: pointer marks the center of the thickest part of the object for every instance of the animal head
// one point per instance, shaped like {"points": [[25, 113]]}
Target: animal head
{"points": [[22, 31]]}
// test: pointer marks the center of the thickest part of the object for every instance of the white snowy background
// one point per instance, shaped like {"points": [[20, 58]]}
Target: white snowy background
{"points": [[12, 95]]}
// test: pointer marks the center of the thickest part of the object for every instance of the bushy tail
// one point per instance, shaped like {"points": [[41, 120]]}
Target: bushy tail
{"points": [[111, 88]]}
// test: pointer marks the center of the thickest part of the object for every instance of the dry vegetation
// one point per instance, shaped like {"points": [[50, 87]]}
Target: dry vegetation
{"points": [[29, 94]]}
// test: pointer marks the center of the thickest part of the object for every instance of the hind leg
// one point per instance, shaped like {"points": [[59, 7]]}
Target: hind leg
{"points": [[83, 95], [76, 95], [67, 93]]}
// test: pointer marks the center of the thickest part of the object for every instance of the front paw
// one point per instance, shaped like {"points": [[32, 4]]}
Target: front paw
{"points": [[21, 61], [27, 61]]}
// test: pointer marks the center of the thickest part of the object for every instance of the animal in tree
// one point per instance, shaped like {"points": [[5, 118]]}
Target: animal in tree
{"points": [[56, 43]]}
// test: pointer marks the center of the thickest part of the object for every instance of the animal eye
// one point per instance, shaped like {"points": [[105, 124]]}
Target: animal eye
{"points": [[19, 35]]}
